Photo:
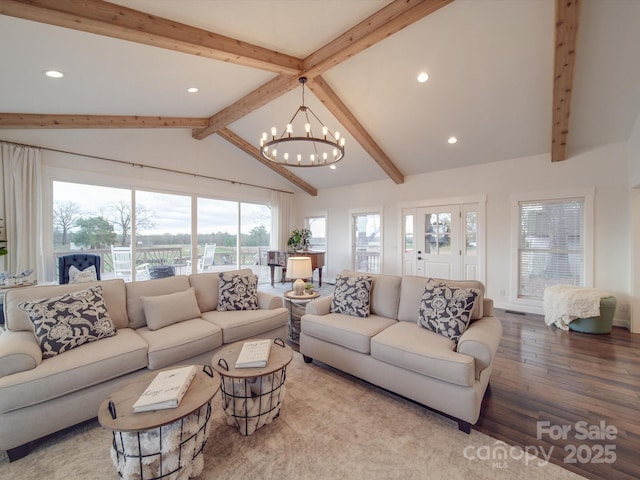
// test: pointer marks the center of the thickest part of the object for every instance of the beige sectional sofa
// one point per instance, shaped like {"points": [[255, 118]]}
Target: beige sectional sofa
{"points": [[390, 349], [41, 396]]}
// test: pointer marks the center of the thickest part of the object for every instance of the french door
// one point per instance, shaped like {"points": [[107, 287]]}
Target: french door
{"points": [[441, 241]]}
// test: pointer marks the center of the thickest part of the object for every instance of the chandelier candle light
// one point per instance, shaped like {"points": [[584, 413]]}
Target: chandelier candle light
{"points": [[303, 151]]}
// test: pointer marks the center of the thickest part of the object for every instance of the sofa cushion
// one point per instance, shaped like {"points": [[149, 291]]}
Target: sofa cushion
{"points": [[347, 331], [164, 310], [114, 296], [150, 288], [70, 320], [82, 276], [75, 370], [446, 310], [413, 288], [385, 293], [351, 295], [179, 341], [249, 323], [407, 345], [237, 291]]}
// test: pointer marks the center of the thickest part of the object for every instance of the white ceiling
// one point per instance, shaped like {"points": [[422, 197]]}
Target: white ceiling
{"points": [[490, 64]]}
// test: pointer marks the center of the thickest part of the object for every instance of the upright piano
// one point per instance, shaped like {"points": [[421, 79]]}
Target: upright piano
{"points": [[276, 258]]}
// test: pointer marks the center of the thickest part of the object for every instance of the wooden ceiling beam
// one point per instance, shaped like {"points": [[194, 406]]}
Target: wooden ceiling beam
{"points": [[30, 120], [387, 21], [250, 149], [259, 97], [567, 21], [103, 18], [336, 106]]}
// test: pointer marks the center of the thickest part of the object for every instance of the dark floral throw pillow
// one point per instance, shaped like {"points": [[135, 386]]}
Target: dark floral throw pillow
{"points": [[237, 292], [68, 321], [446, 310], [351, 296]]}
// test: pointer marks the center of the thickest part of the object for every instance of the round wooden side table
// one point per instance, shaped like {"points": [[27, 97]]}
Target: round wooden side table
{"points": [[296, 305], [160, 443], [251, 397]]}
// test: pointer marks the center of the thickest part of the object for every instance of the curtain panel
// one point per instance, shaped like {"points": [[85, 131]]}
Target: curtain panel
{"points": [[281, 219], [22, 185]]}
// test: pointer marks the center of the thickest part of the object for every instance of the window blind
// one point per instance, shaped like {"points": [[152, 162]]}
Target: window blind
{"points": [[551, 248]]}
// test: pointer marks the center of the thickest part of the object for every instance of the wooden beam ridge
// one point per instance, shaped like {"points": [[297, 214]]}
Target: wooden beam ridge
{"points": [[103, 18], [34, 120], [339, 110], [566, 35], [248, 148], [247, 104], [382, 24]]}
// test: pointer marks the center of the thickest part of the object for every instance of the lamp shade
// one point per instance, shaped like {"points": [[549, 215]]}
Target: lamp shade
{"points": [[299, 267]]}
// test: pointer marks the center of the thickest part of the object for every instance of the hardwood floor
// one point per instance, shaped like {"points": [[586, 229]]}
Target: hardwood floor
{"points": [[543, 374]]}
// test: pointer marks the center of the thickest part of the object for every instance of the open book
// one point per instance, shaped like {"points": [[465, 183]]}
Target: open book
{"points": [[254, 354], [166, 390]]}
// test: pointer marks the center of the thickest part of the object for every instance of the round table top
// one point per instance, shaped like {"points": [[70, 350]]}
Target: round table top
{"points": [[279, 357], [202, 389], [304, 296]]}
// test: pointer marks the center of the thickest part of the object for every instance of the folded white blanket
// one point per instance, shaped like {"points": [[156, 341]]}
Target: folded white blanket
{"points": [[564, 303]]}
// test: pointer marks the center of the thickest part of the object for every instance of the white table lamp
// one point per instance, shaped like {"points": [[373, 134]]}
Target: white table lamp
{"points": [[297, 269]]}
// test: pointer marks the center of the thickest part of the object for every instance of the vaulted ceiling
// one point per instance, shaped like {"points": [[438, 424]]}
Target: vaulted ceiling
{"points": [[508, 78]]}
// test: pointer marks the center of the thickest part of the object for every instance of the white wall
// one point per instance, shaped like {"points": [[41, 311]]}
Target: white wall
{"points": [[633, 147], [605, 169]]}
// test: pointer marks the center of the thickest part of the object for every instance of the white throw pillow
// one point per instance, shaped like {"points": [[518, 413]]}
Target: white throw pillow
{"points": [[164, 310], [82, 276]]}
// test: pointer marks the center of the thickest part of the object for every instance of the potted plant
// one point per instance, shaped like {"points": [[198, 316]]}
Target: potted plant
{"points": [[3, 247], [299, 239]]}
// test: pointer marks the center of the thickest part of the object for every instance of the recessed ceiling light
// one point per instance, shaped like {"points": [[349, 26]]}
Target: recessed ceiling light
{"points": [[452, 140], [332, 167], [423, 77], [192, 89], [53, 74]]}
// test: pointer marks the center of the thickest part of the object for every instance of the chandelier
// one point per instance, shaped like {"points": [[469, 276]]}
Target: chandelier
{"points": [[305, 150]]}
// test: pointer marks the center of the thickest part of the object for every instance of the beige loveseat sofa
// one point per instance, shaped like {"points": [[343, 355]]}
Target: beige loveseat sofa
{"points": [[41, 396], [390, 349]]}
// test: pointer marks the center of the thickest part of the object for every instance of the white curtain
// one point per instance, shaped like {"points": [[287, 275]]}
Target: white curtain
{"points": [[21, 168], [281, 218]]}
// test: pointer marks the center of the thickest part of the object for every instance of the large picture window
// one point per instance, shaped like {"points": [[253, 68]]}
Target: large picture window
{"points": [[141, 234], [551, 245]]}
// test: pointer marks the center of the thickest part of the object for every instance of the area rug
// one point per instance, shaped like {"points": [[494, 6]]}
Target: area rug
{"points": [[331, 426]]}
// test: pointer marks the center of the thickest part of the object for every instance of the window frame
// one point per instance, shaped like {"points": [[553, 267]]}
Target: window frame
{"points": [[588, 196], [352, 216]]}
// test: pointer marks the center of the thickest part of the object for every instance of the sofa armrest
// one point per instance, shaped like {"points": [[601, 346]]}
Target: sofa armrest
{"points": [[487, 307], [481, 341], [19, 352], [320, 306], [269, 301]]}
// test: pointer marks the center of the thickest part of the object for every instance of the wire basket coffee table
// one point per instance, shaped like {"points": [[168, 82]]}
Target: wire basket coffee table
{"points": [[161, 444], [251, 397]]}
